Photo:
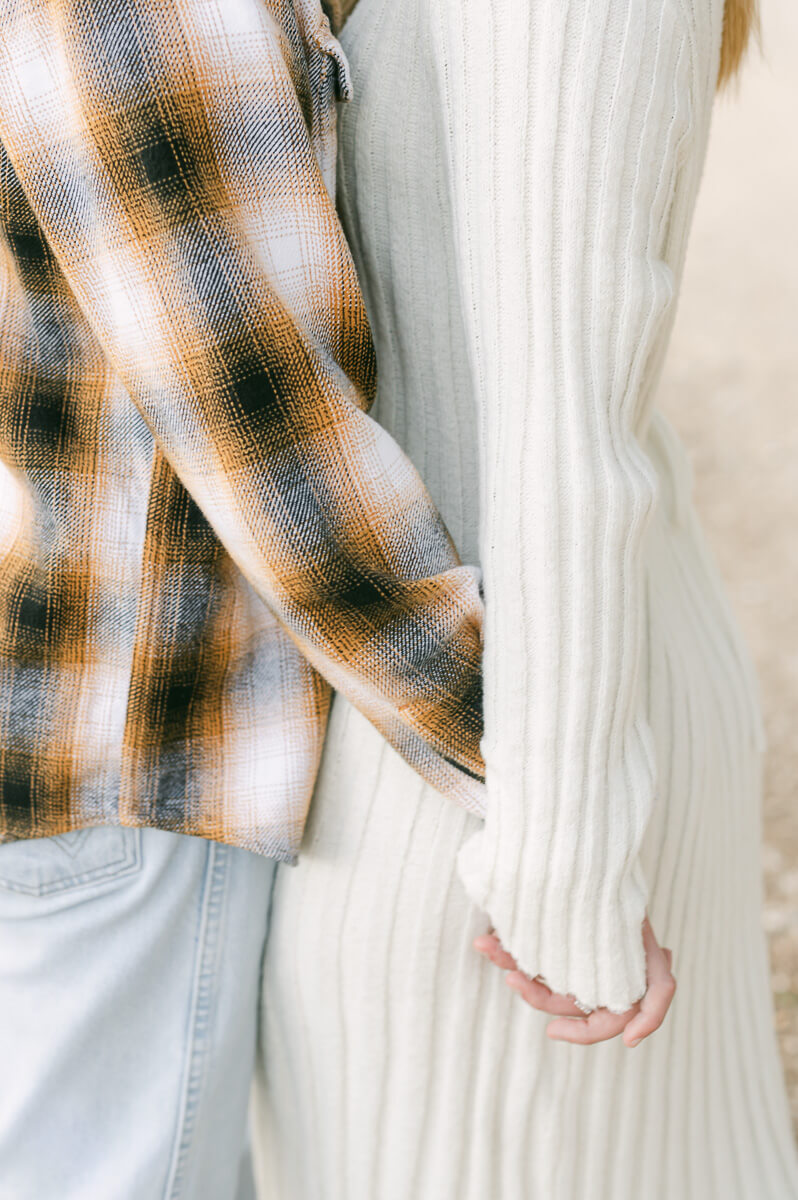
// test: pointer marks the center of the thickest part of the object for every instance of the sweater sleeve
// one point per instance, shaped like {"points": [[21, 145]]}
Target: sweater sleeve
{"points": [[567, 120]]}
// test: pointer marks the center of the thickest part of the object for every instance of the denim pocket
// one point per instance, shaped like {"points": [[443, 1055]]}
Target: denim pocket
{"points": [[80, 858]]}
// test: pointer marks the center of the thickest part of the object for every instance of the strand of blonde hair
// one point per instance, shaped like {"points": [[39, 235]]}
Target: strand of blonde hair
{"points": [[740, 22]]}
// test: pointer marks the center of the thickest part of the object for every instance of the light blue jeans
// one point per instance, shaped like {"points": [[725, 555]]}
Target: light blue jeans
{"points": [[130, 964]]}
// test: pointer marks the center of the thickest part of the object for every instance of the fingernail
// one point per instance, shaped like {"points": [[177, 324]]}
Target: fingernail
{"points": [[634, 1042]]}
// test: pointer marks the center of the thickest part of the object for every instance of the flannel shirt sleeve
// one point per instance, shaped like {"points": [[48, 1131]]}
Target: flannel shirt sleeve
{"points": [[168, 152]]}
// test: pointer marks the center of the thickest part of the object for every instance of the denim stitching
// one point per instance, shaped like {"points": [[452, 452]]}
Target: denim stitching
{"points": [[128, 863], [209, 941], [262, 964]]}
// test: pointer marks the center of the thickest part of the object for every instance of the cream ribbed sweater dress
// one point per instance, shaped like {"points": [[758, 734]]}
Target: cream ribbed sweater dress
{"points": [[517, 180]]}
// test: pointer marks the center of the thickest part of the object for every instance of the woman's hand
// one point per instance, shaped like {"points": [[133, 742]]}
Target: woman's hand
{"points": [[573, 1025]]}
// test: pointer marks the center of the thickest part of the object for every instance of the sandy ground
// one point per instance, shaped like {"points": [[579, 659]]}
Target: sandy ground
{"points": [[731, 388]]}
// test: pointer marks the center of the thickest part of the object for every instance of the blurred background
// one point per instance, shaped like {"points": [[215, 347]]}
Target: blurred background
{"points": [[731, 389]]}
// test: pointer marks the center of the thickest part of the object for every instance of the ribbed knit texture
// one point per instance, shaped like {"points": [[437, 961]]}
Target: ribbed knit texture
{"points": [[397, 1065], [516, 180]]}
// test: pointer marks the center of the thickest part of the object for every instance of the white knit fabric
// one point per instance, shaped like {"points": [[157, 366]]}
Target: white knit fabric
{"points": [[397, 1065], [517, 179]]}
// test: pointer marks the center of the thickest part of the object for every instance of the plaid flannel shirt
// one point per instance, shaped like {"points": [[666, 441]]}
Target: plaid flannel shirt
{"points": [[201, 529]]}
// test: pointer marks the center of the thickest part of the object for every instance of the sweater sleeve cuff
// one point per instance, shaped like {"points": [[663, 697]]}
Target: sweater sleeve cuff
{"points": [[587, 946]]}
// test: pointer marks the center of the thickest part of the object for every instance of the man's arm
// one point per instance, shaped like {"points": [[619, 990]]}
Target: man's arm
{"points": [[168, 158]]}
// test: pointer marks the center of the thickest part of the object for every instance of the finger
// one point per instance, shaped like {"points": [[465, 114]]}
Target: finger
{"points": [[539, 996], [489, 945], [600, 1026], [659, 995], [653, 1011]]}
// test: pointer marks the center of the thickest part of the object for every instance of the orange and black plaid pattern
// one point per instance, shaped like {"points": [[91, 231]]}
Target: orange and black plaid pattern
{"points": [[201, 529]]}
